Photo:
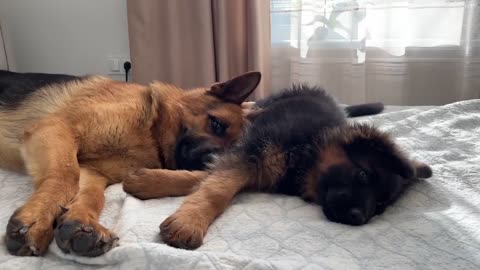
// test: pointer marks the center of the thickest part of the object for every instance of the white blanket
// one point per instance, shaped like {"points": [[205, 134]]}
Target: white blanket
{"points": [[434, 226]]}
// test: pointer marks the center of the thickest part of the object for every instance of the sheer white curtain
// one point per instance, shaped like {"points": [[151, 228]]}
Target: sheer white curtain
{"points": [[402, 52]]}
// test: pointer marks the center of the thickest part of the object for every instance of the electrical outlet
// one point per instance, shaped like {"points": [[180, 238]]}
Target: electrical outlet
{"points": [[115, 65]]}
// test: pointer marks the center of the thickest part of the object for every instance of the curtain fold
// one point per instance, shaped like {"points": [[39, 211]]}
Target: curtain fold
{"points": [[196, 43], [416, 52]]}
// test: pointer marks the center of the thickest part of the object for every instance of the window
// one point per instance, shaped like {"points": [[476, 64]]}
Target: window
{"points": [[391, 25]]}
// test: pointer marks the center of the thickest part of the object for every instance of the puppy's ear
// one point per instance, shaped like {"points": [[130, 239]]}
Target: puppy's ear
{"points": [[369, 142], [237, 89], [422, 170]]}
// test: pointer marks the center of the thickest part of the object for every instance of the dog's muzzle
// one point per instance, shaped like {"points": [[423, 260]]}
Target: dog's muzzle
{"points": [[194, 153]]}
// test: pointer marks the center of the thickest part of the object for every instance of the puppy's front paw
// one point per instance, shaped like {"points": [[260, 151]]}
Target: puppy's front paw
{"points": [[183, 230]]}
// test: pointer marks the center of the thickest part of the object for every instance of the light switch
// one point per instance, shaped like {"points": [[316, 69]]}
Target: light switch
{"points": [[114, 65]]}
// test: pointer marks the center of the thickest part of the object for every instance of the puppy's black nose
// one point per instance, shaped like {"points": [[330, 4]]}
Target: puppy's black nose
{"points": [[343, 195], [356, 217]]}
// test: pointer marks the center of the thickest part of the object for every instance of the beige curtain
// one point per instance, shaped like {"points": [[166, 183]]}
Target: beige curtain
{"points": [[196, 43]]}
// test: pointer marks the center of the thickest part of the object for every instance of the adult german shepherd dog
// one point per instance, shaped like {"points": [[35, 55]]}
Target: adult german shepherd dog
{"points": [[77, 135], [299, 143]]}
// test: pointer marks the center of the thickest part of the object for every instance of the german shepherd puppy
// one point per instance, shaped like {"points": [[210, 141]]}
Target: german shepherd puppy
{"points": [[299, 143], [77, 135]]}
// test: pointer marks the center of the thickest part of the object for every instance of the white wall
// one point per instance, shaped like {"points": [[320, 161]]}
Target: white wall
{"points": [[65, 36]]}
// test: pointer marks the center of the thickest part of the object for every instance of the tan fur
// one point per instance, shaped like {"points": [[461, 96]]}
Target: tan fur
{"points": [[86, 207], [40, 104], [272, 169], [186, 228], [107, 128], [211, 199], [233, 172], [149, 184], [331, 155]]}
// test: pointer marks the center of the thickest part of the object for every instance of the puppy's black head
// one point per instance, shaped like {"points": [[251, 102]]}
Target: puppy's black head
{"points": [[348, 196], [362, 173]]}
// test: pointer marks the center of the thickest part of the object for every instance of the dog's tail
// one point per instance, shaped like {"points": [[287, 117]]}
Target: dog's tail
{"points": [[364, 109]]}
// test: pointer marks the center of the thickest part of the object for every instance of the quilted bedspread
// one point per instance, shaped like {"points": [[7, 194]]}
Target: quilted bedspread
{"points": [[435, 225]]}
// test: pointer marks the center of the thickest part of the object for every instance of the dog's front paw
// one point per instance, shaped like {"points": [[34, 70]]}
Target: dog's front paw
{"points": [[183, 230], [88, 239], [138, 184], [28, 233]]}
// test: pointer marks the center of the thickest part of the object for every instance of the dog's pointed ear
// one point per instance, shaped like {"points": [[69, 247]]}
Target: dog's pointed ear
{"points": [[380, 147], [237, 89]]}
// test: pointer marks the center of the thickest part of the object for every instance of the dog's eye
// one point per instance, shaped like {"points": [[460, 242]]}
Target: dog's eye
{"points": [[362, 177], [218, 127]]}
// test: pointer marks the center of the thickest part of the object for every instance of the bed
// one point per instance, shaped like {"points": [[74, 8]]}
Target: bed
{"points": [[435, 225]]}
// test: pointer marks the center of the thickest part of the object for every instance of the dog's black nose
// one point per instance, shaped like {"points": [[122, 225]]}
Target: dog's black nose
{"points": [[356, 216], [194, 153], [207, 157]]}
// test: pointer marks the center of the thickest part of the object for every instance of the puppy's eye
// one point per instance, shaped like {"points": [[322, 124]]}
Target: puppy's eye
{"points": [[218, 127], [362, 177]]}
